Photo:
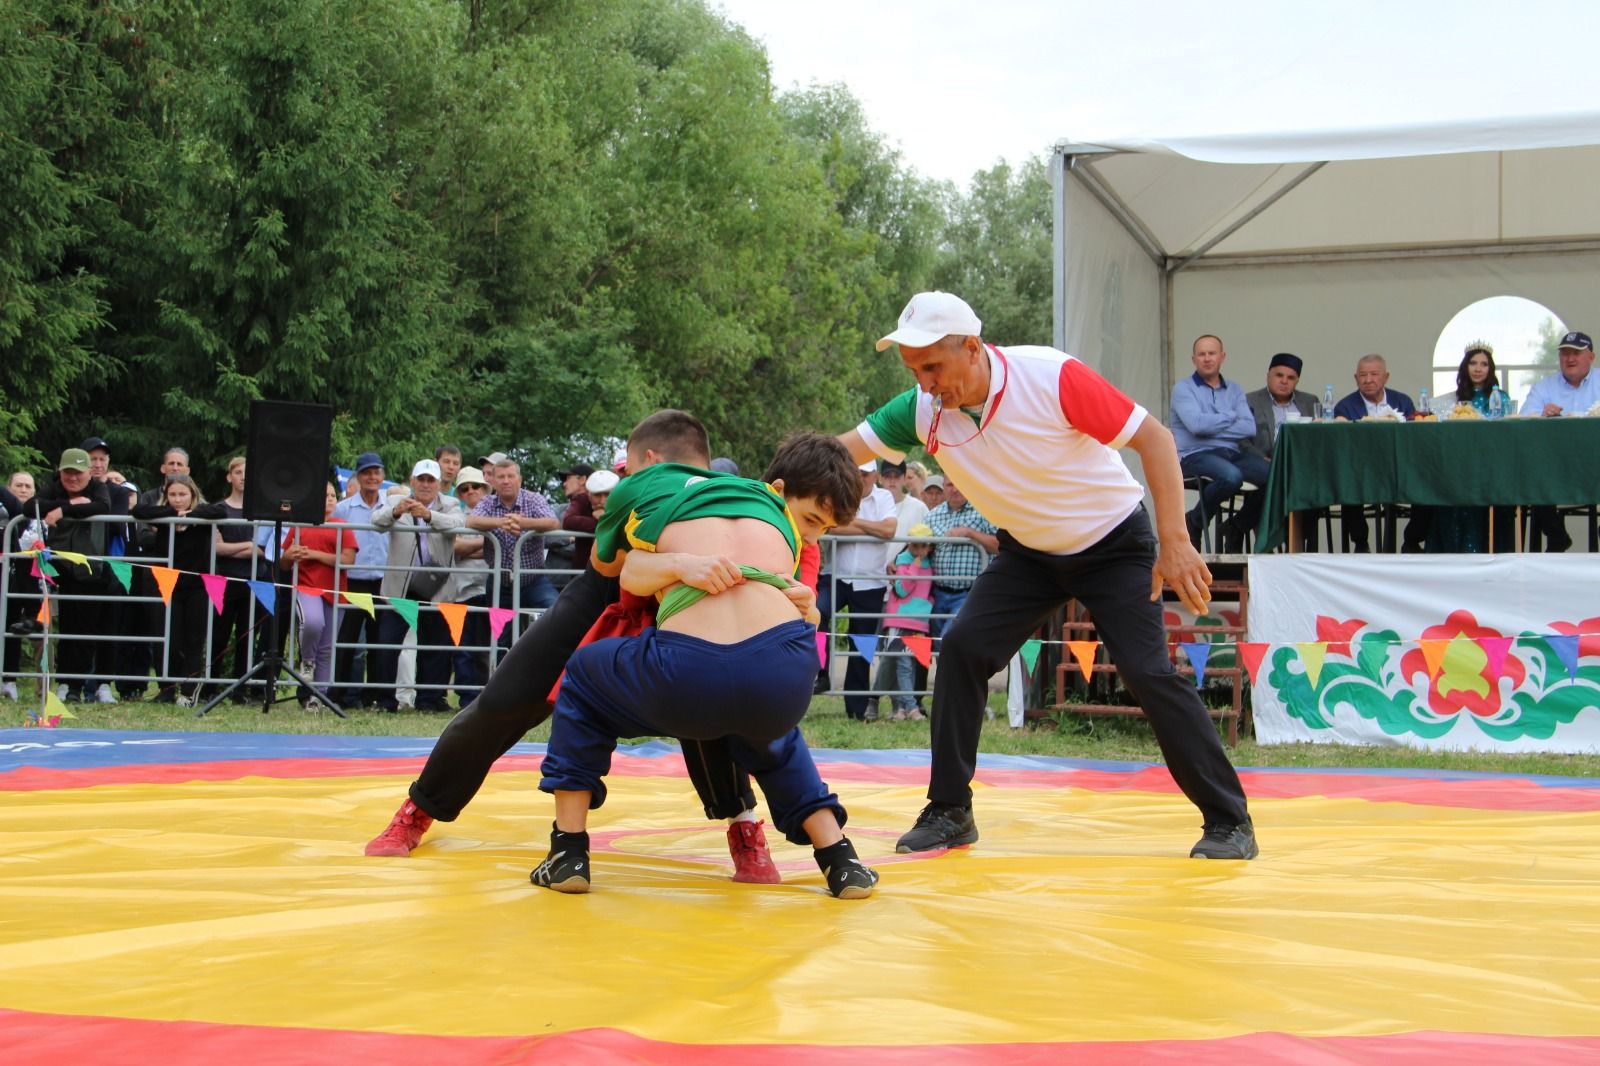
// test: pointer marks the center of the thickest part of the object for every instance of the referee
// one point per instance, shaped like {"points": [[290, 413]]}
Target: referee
{"points": [[1031, 435]]}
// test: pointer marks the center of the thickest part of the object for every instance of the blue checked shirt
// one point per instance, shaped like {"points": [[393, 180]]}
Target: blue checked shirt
{"points": [[957, 560]]}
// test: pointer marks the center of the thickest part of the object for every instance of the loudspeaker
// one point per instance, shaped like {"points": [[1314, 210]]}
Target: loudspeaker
{"points": [[286, 471]]}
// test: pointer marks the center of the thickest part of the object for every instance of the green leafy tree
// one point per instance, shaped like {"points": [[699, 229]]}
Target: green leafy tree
{"points": [[997, 252]]}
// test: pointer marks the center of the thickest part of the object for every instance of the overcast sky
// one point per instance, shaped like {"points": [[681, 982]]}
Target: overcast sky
{"points": [[959, 85]]}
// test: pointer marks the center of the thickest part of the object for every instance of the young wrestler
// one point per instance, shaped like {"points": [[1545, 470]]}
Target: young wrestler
{"points": [[511, 703], [727, 658]]}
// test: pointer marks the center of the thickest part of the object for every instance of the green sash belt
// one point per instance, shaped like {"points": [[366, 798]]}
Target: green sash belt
{"points": [[682, 596]]}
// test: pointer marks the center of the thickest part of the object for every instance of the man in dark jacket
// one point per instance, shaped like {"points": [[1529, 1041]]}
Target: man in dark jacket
{"points": [[62, 509]]}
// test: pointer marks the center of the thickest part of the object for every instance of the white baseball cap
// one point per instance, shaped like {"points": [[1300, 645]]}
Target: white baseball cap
{"points": [[428, 467], [601, 481], [929, 318], [869, 467]]}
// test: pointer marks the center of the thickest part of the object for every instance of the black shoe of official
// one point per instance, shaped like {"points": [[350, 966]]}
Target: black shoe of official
{"points": [[940, 825], [1223, 841], [566, 868], [1195, 525], [847, 876]]}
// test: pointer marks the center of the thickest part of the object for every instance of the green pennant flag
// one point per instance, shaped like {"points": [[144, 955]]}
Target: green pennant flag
{"points": [[1030, 653], [46, 569], [124, 572], [406, 609]]}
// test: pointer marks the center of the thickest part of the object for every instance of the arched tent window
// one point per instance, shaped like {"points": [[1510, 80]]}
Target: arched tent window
{"points": [[1524, 335]]}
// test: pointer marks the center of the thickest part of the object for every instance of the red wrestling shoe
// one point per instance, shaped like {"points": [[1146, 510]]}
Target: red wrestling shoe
{"points": [[752, 862], [404, 832]]}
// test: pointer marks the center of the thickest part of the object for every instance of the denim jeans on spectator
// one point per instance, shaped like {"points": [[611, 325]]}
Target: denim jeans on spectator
{"points": [[946, 602], [1227, 469]]}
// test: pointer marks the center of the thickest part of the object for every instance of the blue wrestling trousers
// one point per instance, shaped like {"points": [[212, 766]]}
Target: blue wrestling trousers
{"points": [[669, 684]]}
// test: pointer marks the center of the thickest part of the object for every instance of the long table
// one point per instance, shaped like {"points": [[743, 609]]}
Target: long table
{"points": [[1466, 463]]}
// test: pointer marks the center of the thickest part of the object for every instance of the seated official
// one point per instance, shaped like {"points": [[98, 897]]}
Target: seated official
{"points": [[1211, 421], [1374, 399], [1279, 402], [1571, 391]]}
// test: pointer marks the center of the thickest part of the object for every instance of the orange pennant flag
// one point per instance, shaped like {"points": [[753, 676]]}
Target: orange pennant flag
{"points": [[455, 616], [1433, 654], [1251, 655], [44, 611], [166, 580], [1083, 651]]}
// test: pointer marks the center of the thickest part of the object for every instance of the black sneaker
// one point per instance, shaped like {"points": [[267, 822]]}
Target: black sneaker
{"points": [[940, 825], [847, 876], [566, 868], [1223, 841]]}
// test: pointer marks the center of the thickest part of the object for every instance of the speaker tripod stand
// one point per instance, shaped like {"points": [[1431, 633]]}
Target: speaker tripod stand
{"points": [[271, 663]]}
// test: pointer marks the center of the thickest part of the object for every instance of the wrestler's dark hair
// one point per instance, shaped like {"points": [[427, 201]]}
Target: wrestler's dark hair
{"points": [[815, 464], [677, 436]]}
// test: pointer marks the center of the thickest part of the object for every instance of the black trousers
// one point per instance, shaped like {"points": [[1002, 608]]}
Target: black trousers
{"points": [[513, 702], [355, 626], [1013, 597], [864, 606]]}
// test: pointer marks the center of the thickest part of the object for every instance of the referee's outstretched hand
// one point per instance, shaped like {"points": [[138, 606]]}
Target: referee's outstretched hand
{"points": [[1181, 567]]}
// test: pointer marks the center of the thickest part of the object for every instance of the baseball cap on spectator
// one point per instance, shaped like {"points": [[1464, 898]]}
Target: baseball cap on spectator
{"points": [[1577, 340], [74, 459], [368, 460], [428, 467], [619, 462], [470, 475], [896, 469], [492, 459], [601, 481], [921, 529], [934, 481], [96, 442], [869, 467], [723, 465], [576, 469], [929, 318]]}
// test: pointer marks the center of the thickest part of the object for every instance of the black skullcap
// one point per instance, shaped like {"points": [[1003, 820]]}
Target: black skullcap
{"points": [[1293, 362]]}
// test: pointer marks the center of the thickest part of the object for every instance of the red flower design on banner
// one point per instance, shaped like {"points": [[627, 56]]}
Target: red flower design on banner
{"points": [[1587, 632], [1337, 634], [1464, 682]]}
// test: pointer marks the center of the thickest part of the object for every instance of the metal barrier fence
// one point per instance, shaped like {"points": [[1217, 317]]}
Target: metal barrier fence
{"points": [[128, 641], [833, 652], [139, 616]]}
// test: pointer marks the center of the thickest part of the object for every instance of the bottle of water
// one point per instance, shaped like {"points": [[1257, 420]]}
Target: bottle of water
{"points": [[1497, 402], [1422, 403], [1327, 403]]}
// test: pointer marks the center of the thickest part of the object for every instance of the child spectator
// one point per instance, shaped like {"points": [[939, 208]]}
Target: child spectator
{"points": [[908, 606], [316, 549]]}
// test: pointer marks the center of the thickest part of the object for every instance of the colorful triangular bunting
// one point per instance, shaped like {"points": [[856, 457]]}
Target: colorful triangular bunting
{"points": [[216, 588], [266, 595], [921, 649], [166, 578], [407, 609], [363, 600], [455, 616], [1030, 654], [1197, 652], [1433, 654], [499, 618], [1084, 652], [1251, 654], [866, 644], [1566, 649], [1312, 653]]}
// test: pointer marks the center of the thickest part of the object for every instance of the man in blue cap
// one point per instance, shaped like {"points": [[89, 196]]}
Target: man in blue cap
{"points": [[354, 624]]}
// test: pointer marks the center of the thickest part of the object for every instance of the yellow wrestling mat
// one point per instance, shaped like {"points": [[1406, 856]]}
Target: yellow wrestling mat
{"points": [[205, 898]]}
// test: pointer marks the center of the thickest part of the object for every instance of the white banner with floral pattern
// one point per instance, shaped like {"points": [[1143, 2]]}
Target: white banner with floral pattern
{"points": [[1484, 652]]}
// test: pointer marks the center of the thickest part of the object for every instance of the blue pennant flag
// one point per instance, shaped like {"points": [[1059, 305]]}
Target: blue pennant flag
{"points": [[1566, 648], [866, 644], [1197, 652], [266, 594]]}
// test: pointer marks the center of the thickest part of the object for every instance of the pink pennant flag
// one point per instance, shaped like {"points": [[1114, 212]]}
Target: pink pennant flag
{"points": [[499, 618], [1495, 649], [216, 585], [822, 649], [1251, 654], [921, 649]]}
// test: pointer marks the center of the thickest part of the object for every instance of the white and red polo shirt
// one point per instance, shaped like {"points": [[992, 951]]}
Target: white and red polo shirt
{"points": [[1044, 468]]}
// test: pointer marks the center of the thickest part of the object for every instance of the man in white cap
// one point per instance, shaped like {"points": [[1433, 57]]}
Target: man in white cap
{"points": [[1030, 434], [422, 528]]}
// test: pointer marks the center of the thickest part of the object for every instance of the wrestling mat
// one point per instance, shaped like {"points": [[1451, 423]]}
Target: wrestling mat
{"points": [[203, 898]]}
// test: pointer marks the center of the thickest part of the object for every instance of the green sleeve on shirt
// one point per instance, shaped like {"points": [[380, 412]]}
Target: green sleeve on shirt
{"points": [[895, 422]]}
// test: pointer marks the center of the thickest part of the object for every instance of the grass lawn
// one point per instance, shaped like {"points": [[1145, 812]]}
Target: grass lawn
{"points": [[826, 727]]}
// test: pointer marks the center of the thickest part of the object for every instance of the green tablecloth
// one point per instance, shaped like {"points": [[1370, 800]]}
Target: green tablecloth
{"points": [[1467, 463]]}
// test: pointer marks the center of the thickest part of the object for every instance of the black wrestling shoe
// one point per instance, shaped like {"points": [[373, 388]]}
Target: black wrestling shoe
{"points": [[940, 825], [1223, 841], [847, 876], [566, 868]]}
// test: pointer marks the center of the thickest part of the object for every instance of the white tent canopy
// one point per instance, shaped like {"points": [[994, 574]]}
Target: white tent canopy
{"points": [[1328, 243]]}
